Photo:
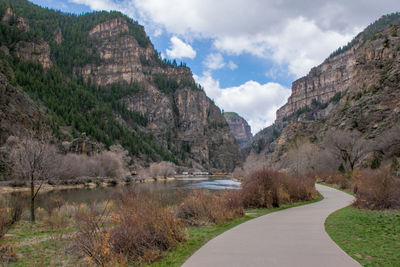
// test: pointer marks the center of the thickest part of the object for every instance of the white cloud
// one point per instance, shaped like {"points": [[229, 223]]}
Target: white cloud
{"points": [[232, 65], [180, 49], [297, 34], [214, 61], [300, 45], [98, 4], [254, 101]]}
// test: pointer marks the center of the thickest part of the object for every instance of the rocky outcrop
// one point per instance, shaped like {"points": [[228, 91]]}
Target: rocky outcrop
{"points": [[184, 120], [58, 37], [356, 89], [11, 18], [239, 128], [321, 84], [120, 55], [39, 52], [19, 115]]}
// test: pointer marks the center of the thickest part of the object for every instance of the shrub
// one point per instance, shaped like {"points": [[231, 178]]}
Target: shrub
{"points": [[377, 189], [143, 230], [342, 180], [10, 212], [162, 168], [92, 238], [202, 207], [268, 188]]}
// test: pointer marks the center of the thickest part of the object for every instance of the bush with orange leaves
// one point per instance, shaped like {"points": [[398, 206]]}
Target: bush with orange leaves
{"points": [[267, 188], [202, 207], [377, 189]]}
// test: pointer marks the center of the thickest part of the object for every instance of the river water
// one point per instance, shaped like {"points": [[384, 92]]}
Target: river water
{"points": [[185, 184]]}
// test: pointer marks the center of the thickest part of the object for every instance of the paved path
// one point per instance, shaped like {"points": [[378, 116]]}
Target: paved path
{"points": [[292, 237]]}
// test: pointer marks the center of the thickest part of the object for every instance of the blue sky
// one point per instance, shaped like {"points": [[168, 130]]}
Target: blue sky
{"points": [[245, 53]]}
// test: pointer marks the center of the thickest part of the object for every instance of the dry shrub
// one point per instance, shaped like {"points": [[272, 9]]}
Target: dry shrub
{"points": [[51, 203], [299, 188], [162, 169], [342, 180], [4, 220], [144, 230], [10, 212], [8, 254], [146, 227], [202, 207], [268, 188], [377, 189], [92, 239], [105, 164], [110, 164]]}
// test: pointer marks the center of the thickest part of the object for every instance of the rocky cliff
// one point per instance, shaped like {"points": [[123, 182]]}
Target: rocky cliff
{"points": [[356, 88], [333, 76], [100, 74], [183, 118], [239, 127]]}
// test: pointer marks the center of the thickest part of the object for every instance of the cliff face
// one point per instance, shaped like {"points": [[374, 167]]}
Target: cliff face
{"points": [[355, 89], [185, 119], [239, 128], [321, 84], [133, 98]]}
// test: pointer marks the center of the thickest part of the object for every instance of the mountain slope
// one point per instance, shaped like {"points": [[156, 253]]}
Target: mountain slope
{"points": [[356, 88], [98, 73], [239, 127]]}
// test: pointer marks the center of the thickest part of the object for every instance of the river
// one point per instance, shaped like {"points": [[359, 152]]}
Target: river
{"points": [[81, 195]]}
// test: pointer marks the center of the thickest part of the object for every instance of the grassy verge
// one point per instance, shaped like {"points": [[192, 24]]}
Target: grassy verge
{"points": [[370, 237], [198, 236]]}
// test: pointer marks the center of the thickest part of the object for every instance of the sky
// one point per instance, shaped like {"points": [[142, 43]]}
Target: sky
{"points": [[245, 53]]}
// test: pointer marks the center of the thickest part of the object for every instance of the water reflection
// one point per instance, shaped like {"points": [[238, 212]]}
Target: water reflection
{"points": [[87, 195], [214, 185]]}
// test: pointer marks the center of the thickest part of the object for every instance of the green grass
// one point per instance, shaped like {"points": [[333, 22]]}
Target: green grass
{"points": [[51, 252], [198, 236], [370, 237]]}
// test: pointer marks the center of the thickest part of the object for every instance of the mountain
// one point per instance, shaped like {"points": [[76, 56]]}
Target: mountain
{"points": [[99, 74], [239, 128], [354, 89]]}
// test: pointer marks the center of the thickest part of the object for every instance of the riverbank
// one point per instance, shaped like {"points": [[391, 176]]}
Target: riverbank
{"points": [[6, 188]]}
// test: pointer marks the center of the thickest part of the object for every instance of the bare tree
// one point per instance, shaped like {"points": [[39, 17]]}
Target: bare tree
{"points": [[33, 161], [349, 147], [300, 159], [388, 142]]}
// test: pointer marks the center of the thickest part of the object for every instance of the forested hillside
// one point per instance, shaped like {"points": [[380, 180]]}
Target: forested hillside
{"points": [[47, 54]]}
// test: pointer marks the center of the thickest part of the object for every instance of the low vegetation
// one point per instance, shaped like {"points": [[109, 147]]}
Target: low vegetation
{"points": [[268, 188], [203, 207], [138, 227], [374, 189], [370, 237]]}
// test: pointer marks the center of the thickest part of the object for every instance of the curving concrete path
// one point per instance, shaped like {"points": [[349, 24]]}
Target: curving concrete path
{"points": [[292, 237]]}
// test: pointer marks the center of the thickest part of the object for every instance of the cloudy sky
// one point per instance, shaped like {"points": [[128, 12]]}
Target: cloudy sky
{"points": [[245, 53]]}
